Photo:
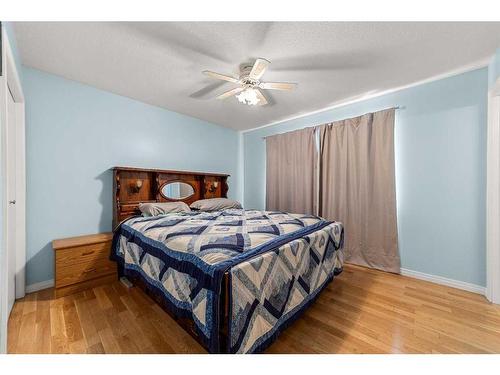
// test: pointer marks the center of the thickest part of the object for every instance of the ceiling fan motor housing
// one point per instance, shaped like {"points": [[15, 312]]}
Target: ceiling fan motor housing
{"points": [[245, 76]]}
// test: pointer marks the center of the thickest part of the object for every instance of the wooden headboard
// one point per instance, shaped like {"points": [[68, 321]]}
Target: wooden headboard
{"points": [[132, 186]]}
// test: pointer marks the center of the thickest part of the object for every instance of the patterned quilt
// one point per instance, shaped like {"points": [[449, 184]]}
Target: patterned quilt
{"points": [[277, 263]]}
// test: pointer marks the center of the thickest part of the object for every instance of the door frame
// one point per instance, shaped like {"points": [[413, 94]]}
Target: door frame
{"points": [[493, 196], [11, 78]]}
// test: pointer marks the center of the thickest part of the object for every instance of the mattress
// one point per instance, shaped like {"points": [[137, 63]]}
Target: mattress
{"points": [[277, 264]]}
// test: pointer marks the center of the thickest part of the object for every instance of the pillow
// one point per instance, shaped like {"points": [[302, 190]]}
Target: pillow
{"points": [[215, 204], [155, 209]]}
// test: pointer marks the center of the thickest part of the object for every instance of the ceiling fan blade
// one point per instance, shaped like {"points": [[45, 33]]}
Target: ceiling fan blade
{"points": [[258, 69], [220, 76], [262, 98], [229, 93], [277, 86]]}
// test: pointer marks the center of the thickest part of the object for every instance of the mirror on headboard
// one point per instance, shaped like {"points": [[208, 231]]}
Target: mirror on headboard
{"points": [[177, 190]]}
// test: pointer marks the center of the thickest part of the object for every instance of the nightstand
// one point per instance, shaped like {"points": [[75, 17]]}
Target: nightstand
{"points": [[82, 263]]}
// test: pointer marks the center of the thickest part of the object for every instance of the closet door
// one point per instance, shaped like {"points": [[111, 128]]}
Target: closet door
{"points": [[11, 196]]}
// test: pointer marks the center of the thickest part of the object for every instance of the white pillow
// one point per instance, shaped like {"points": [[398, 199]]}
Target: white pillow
{"points": [[155, 209], [215, 204]]}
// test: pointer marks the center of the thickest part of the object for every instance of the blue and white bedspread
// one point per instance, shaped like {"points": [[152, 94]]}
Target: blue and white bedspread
{"points": [[277, 263]]}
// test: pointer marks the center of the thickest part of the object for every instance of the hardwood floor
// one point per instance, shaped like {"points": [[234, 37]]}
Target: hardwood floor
{"points": [[361, 311]]}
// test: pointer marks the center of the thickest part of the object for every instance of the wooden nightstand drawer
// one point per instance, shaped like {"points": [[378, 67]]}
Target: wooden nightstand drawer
{"points": [[79, 272], [83, 254], [82, 262]]}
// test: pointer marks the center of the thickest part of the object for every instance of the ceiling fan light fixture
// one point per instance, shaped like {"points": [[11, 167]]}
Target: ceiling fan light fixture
{"points": [[249, 97]]}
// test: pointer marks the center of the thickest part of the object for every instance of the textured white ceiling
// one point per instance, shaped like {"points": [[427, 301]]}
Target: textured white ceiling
{"points": [[161, 63]]}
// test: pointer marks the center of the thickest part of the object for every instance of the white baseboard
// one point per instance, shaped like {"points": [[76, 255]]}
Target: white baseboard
{"points": [[39, 286], [404, 271], [444, 281]]}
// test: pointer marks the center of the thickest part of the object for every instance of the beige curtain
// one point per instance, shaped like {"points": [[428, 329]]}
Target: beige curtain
{"points": [[357, 187], [291, 172]]}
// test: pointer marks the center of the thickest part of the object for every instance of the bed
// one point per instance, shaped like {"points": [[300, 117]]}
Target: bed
{"points": [[233, 278]]}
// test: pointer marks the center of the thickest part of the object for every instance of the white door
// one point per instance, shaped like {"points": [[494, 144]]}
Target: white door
{"points": [[11, 196]]}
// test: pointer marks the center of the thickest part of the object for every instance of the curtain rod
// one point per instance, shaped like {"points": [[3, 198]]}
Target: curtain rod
{"points": [[397, 107]]}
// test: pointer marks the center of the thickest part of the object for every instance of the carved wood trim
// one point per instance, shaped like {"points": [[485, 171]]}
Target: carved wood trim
{"points": [[126, 200]]}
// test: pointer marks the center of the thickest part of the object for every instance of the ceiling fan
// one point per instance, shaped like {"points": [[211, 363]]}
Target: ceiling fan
{"points": [[250, 86]]}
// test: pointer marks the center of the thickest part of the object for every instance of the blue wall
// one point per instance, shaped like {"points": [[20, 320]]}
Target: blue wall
{"points": [[75, 133], [494, 68], [440, 171]]}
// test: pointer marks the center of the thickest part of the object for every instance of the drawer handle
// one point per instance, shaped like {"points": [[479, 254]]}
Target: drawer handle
{"points": [[89, 270], [88, 253]]}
